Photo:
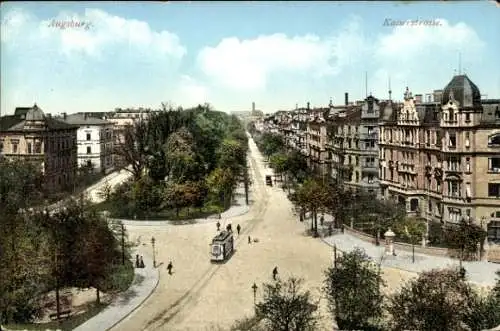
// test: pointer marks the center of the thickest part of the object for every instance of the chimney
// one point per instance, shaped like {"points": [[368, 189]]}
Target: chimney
{"points": [[64, 116], [85, 116], [346, 98], [308, 105], [418, 98]]}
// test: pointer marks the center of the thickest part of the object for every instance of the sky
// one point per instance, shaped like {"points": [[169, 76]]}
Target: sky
{"points": [[97, 56]]}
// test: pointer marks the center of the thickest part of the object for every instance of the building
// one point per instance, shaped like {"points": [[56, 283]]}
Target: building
{"points": [[32, 135], [344, 146], [95, 141], [441, 157]]}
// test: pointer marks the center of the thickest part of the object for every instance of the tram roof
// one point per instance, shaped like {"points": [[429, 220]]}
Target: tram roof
{"points": [[223, 235]]}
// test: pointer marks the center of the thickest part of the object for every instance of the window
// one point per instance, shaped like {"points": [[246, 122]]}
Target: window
{"points": [[494, 190], [494, 140], [38, 147], [357, 176], [428, 138], [414, 204], [452, 143], [494, 164], [14, 147], [467, 190], [467, 139], [1, 146], [467, 117], [29, 148], [453, 164], [467, 164], [453, 189], [370, 179], [455, 215], [357, 160], [370, 130], [429, 206], [438, 185], [88, 136], [89, 150]]}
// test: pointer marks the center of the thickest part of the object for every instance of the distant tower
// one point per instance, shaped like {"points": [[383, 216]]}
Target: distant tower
{"points": [[390, 92], [253, 107]]}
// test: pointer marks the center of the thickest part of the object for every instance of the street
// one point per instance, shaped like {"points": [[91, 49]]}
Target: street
{"points": [[202, 296]]}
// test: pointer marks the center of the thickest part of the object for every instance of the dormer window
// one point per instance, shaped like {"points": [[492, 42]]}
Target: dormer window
{"points": [[452, 114]]}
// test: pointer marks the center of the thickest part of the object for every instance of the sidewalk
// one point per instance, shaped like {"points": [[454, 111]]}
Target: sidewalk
{"points": [[145, 282], [479, 272], [238, 208]]}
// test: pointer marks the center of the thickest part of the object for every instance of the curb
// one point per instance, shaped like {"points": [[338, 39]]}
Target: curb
{"points": [[141, 303], [177, 223]]}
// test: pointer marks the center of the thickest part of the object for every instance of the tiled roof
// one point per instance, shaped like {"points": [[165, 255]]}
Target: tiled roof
{"points": [[81, 119]]}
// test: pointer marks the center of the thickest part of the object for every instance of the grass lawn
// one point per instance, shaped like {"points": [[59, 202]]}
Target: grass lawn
{"points": [[64, 324], [184, 213], [120, 280]]}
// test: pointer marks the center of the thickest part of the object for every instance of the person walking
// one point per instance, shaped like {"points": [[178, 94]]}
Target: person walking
{"points": [[137, 263], [249, 240], [170, 267], [141, 263], [229, 228], [238, 228], [218, 226], [275, 272]]}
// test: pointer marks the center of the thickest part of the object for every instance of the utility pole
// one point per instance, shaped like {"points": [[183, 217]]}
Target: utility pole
{"points": [[123, 243]]}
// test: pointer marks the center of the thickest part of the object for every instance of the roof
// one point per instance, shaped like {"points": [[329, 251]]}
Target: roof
{"points": [[25, 115], [83, 119], [463, 90]]}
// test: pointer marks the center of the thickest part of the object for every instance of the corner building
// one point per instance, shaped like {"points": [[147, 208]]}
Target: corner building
{"points": [[441, 158]]}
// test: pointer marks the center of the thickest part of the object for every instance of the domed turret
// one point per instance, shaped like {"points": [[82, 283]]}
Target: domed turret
{"points": [[463, 90], [35, 114]]}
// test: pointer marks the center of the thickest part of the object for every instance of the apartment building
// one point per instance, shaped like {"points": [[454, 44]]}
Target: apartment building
{"points": [[95, 141], [316, 138], [31, 135], [344, 146], [440, 157]]}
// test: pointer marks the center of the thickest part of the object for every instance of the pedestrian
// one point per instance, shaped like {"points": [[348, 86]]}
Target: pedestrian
{"points": [[249, 240], [275, 272], [169, 267], [141, 263], [228, 228], [238, 228], [137, 264], [322, 220], [220, 216], [218, 226]]}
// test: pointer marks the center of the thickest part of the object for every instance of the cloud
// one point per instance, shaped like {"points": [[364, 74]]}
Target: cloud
{"points": [[411, 55], [248, 64], [191, 92], [90, 34]]}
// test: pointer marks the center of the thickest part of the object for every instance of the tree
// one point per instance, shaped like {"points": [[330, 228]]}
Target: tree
{"points": [[413, 229], [271, 143], [286, 307], [132, 148], [436, 300], [467, 238], [353, 291], [313, 196], [221, 183], [181, 159]]}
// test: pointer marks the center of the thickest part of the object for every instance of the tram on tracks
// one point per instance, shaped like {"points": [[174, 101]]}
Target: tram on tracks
{"points": [[222, 246]]}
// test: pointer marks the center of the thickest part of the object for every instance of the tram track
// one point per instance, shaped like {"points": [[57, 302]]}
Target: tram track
{"points": [[261, 205]]}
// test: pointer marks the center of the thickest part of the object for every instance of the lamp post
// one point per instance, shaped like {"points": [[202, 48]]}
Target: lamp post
{"points": [[254, 288], [153, 240], [335, 256]]}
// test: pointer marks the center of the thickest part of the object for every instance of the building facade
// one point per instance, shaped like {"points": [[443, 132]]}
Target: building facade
{"points": [[31, 135], [95, 141], [441, 157]]}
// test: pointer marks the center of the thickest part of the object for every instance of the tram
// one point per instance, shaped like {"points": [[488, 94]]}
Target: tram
{"points": [[222, 246]]}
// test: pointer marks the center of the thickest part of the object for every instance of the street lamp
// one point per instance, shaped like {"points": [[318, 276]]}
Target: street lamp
{"points": [[254, 288], [153, 240]]}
